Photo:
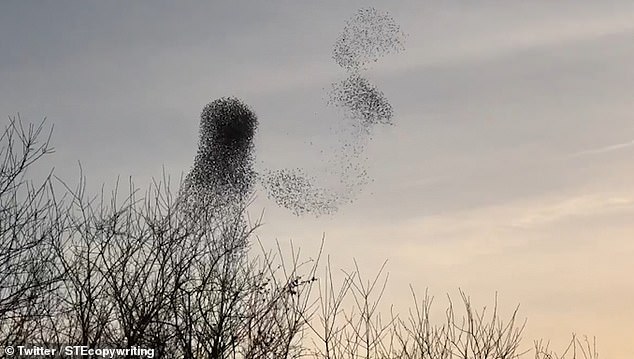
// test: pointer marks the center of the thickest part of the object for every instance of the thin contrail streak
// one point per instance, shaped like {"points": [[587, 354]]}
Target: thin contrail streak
{"points": [[605, 149]]}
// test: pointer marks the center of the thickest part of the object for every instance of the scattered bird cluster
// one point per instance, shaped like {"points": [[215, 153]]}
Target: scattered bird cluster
{"points": [[362, 101], [223, 169], [297, 191], [367, 36]]}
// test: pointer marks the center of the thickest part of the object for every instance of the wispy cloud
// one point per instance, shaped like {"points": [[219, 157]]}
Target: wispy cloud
{"points": [[582, 207], [604, 149]]}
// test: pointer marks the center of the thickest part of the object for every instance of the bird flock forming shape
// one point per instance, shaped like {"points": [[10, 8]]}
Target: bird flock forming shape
{"points": [[223, 173]]}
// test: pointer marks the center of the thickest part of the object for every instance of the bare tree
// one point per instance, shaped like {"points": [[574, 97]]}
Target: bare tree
{"points": [[29, 220], [148, 269], [577, 349], [150, 272]]}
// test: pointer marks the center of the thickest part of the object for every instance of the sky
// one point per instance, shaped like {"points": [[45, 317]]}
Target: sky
{"points": [[507, 168]]}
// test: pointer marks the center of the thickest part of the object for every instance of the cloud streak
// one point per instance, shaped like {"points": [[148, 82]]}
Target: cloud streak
{"points": [[604, 149]]}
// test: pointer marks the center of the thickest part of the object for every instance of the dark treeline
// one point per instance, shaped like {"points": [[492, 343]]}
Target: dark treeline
{"points": [[142, 271]]}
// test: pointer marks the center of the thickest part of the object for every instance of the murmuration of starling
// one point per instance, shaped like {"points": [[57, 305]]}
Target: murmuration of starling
{"points": [[366, 37], [362, 101], [296, 191], [223, 173]]}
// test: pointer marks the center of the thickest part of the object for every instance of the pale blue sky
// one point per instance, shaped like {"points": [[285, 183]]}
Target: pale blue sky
{"points": [[509, 167]]}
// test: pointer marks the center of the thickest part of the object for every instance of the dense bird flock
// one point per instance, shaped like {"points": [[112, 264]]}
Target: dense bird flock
{"points": [[223, 171]]}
